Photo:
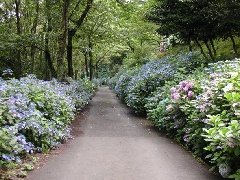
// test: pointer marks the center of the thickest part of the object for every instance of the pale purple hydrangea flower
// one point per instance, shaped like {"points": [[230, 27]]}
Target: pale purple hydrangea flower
{"points": [[173, 90], [231, 143], [175, 96], [190, 94], [169, 108], [185, 85]]}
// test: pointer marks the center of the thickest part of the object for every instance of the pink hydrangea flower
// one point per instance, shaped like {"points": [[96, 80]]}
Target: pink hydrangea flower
{"points": [[190, 94], [173, 90], [175, 96]]}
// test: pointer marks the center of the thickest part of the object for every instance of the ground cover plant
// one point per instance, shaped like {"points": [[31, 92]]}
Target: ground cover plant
{"points": [[35, 115], [200, 110]]}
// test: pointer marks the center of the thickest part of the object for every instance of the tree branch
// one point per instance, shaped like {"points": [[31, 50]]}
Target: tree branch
{"points": [[82, 17], [74, 9]]}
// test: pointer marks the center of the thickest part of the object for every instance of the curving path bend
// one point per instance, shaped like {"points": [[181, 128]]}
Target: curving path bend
{"points": [[117, 145]]}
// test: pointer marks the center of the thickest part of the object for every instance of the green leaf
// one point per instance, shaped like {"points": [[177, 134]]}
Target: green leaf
{"points": [[237, 151], [208, 156]]}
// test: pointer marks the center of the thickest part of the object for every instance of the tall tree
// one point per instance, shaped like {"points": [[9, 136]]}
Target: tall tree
{"points": [[33, 32], [72, 31], [18, 70], [194, 20], [62, 40], [48, 29]]}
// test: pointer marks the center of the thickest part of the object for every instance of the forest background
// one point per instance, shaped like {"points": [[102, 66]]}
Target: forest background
{"points": [[93, 38]]}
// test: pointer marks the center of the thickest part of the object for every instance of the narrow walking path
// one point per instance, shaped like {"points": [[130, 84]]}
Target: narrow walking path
{"points": [[117, 145]]}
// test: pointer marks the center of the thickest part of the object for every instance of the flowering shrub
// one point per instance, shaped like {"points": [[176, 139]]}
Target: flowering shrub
{"points": [[200, 108], [80, 91], [202, 113], [223, 133], [113, 81], [157, 103], [35, 114], [122, 83], [154, 74]]}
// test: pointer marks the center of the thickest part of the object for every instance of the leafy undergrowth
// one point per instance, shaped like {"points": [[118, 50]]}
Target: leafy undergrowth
{"points": [[36, 115], [199, 108]]}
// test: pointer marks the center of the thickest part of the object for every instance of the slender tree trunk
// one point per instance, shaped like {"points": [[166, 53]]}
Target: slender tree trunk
{"points": [[234, 44], [18, 67], [69, 53], [90, 46], [41, 64], [190, 48], [189, 45], [96, 70], [130, 46], [40, 57], [47, 53], [76, 74], [86, 63], [72, 32], [49, 59], [48, 74], [33, 31], [62, 41], [209, 50], [201, 49], [33, 49], [213, 48]]}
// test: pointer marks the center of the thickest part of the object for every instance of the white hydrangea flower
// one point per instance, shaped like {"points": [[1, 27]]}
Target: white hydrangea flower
{"points": [[228, 88], [224, 170]]}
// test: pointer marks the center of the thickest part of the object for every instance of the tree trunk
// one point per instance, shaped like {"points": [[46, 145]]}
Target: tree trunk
{"points": [[189, 45], [47, 53], [209, 50], [213, 48], [96, 70], [90, 46], [62, 41], [130, 46], [69, 53], [76, 74], [234, 44], [33, 31], [49, 59], [18, 66], [86, 63], [48, 74], [201, 49], [72, 32]]}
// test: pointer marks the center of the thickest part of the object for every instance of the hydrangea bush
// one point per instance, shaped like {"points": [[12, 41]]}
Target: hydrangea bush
{"points": [[199, 108], [123, 82], [201, 112], [154, 74], [35, 114], [113, 81]]}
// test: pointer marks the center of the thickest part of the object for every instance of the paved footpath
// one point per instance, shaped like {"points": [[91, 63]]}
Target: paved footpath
{"points": [[117, 145]]}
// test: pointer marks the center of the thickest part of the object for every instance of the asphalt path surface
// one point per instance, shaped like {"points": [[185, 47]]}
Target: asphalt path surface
{"points": [[117, 145]]}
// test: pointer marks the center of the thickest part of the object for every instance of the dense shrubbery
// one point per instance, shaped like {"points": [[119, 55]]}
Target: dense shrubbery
{"points": [[123, 82], [35, 114], [201, 114], [201, 109], [140, 83], [113, 81]]}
